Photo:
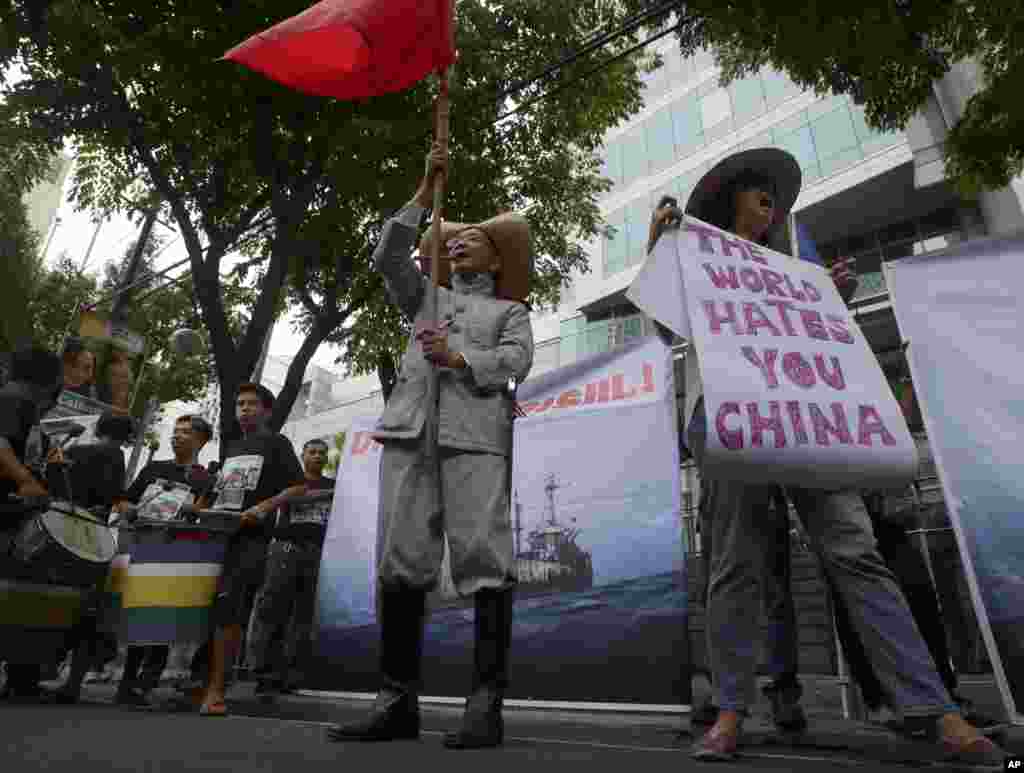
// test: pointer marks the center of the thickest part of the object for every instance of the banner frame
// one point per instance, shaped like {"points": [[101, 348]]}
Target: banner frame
{"points": [[1013, 714]]}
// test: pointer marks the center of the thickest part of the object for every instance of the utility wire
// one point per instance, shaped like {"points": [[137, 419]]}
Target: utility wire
{"points": [[593, 71], [628, 25]]}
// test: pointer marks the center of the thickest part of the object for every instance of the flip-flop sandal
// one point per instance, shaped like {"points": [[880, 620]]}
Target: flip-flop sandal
{"points": [[980, 754], [218, 709], [715, 749]]}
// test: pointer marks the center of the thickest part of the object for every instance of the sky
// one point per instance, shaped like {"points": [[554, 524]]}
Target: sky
{"points": [[75, 231]]}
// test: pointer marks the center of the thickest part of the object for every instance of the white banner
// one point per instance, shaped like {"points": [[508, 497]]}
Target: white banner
{"points": [[961, 313], [348, 571], [793, 393]]}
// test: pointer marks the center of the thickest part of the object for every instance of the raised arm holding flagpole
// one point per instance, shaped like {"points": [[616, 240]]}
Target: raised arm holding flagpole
{"points": [[447, 427]]}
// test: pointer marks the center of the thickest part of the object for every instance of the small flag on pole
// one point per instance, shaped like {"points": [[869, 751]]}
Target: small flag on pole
{"points": [[351, 49]]}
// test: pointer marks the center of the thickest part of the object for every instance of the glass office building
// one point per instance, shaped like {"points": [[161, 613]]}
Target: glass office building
{"points": [[863, 193]]}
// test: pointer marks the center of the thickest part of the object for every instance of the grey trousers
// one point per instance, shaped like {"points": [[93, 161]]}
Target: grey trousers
{"points": [[840, 532], [281, 636], [781, 641], [463, 496]]}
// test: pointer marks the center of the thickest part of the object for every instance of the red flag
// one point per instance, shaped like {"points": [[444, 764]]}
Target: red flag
{"points": [[354, 48]]}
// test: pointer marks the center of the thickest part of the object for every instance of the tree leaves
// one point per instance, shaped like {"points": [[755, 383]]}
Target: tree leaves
{"points": [[300, 185]]}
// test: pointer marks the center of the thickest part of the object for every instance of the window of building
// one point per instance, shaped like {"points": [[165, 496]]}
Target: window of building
{"points": [[616, 244], [596, 338], [747, 99], [687, 126], [686, 182], [638, 221], [714, 109], [777, 87], [569, 340], [633, 327], [834, 135], [800, 144], [660, 140], [790, 124], [612, 164], [841, 161], [634, 155], [881, 141]]}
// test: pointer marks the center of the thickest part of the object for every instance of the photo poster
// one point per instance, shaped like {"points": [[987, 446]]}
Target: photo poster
{"points": [[101, 366], [961, 314], [789, 380], [600, 611]]}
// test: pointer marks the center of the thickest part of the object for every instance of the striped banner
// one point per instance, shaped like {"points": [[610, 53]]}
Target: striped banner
{"points": [[162, 585], [30, 605]]}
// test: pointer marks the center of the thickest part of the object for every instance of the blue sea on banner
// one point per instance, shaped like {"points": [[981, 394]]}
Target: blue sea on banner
{"points": [[612, 628]]}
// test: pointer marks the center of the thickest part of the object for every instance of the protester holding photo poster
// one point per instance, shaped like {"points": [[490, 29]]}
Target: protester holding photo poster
{"points": [[159, 492], [756, 339], [101, 358], [259, 470], [279, 650]]}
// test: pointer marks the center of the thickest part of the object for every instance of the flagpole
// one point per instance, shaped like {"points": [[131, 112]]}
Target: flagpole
{"points": [[442, 110]]}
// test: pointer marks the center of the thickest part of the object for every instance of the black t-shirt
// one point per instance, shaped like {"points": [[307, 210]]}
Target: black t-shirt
{"points": [[194, 476], [96, 475], [256, 468], [18, 417], [307, 523]]}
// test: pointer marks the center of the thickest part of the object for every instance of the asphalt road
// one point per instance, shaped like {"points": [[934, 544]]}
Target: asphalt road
{"points": [[98, 736]]}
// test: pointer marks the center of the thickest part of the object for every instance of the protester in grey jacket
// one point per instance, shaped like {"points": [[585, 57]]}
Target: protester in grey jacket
{"points": [[482, 343]]}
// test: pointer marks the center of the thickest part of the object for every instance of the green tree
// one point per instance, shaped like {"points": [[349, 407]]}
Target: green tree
{"points": [[52, 307], [159, 308], [301, 185], [334, 454], [26, 158], [885, 54]]}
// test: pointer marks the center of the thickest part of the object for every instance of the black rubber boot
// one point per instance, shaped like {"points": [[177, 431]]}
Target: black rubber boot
{"points": [[482, 723], [395, 714]]}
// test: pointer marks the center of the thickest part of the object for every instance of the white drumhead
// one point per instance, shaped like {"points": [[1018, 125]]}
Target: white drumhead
{"points": [[84, 536]]}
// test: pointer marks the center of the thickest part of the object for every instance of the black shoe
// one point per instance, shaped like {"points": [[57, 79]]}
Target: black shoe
{"points": [[268, 689], [482, 724], [131, 696], [705, 715], [28, 693], [787, 712], [395, 716]]}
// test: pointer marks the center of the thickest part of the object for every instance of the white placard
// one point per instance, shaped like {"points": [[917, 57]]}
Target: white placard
{"points": [[793, 393]]}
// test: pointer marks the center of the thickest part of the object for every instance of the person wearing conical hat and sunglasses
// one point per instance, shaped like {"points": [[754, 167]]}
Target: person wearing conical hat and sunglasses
{"points": [[484, 343], [750, 194], [768, 182]]}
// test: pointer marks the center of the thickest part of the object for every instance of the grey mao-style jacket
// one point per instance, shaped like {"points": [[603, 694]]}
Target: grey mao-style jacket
{"points": [[493, 335]]}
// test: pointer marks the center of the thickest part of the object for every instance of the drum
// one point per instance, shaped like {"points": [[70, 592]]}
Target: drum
{"points": [[65, 545], [163, 582]]}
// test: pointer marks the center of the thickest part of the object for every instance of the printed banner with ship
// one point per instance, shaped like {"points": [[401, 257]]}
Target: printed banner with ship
{"points": [[600, 612]]}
